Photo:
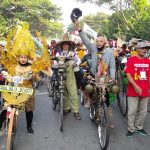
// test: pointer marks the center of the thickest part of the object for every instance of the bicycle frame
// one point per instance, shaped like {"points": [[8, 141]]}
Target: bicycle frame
{"points": [[99, 113], [58, 91], [9, 125], [11, 110]]}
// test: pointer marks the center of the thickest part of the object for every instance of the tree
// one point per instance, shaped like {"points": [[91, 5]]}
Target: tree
{"points": [[98, 22], [134, 21], [41, 15], [130, 17]]}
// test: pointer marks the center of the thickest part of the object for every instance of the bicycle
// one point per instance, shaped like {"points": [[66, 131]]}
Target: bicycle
{"points": [[99, 111], [51, 82], [48, 83], [57, 88], [122, 83], [86, 72], [14, 98]]}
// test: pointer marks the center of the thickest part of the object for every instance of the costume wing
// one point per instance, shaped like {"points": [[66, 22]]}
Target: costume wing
{"points": [[42, 60], [10, 98]]}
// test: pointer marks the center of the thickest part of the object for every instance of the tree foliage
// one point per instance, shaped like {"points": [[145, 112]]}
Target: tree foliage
{"points": [[98, 22], [130, 18], [41, 15]]}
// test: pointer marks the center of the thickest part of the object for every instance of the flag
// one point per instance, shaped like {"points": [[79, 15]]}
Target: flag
{"points": [[119, 42]]}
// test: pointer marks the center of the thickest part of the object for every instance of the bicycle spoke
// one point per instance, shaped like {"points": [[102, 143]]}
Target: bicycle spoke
{"points": [[61, 112], [121, 96], [103, 128]]}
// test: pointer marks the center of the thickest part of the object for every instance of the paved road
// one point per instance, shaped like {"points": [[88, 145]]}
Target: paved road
{"points": [[77, 135]]}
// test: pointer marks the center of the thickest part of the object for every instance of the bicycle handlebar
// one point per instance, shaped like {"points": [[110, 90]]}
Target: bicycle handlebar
{"points": [[58, 58]]}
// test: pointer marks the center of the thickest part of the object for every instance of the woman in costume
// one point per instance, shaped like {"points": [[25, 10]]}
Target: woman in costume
{"points": [[25, 56]]}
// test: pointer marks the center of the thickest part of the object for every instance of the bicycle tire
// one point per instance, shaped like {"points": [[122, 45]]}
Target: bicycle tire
{"points": [[52, 87], [61, 115], [48, 84], [11, 130], [55, 98], [121, 96], [92, 111], [82, 98], [37, 84], [103, 127]]}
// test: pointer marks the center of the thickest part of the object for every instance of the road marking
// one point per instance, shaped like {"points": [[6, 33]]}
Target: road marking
{"points": [[43, 93]]}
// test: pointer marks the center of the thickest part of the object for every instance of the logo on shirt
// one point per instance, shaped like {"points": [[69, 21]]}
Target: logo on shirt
{"points": [[141, 65]]}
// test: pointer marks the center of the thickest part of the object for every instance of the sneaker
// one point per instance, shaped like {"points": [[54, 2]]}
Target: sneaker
{"points": [[129, 134], [30, 131], [142, 132]]}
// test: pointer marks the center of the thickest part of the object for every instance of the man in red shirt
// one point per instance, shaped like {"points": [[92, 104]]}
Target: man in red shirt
{"points": [[138, 74]]}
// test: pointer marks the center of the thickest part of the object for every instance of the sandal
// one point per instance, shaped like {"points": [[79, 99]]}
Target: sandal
{"points": [[77, 116], [111, 126]]}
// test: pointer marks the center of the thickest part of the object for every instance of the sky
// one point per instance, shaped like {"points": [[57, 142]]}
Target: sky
{"points": [[68, 5]]}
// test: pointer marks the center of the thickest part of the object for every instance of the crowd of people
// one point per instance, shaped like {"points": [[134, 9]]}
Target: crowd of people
{"points": [[136, 68], [97, 59]]}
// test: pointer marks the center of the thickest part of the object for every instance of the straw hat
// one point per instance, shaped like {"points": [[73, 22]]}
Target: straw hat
{"points": [[64, 40]]}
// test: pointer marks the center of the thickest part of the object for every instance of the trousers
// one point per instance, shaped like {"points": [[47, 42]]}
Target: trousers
{"points": [[70, 92], [137, 110]]}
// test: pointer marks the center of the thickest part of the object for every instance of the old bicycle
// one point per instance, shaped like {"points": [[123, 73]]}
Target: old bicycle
{"points": [[14, 98], [122, 83], [98, 109], [57, 87]]}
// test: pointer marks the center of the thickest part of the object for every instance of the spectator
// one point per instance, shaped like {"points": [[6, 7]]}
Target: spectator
{"points": [[138, 74]]}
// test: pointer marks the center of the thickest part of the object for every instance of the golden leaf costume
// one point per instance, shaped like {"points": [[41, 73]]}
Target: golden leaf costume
{"points": [[20, 42]]}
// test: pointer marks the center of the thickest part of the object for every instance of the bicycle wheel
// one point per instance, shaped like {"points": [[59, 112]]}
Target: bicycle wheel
{"points": [[52, 85], [82, 97], [61, 112], [121, 96], [93, 110], [48, 84], [11, 131], [103, 127], [55, 97]]}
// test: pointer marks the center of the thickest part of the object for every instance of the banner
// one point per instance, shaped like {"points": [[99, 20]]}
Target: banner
{"points": [[119, 42], [87, 29], [16, 89]]}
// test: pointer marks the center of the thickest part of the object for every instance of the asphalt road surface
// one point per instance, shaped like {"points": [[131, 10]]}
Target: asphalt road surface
{"points": [[77, 135]]}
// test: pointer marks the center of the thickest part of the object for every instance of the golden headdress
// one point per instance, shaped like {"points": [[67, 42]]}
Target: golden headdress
{"points": [[21, 42]]}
